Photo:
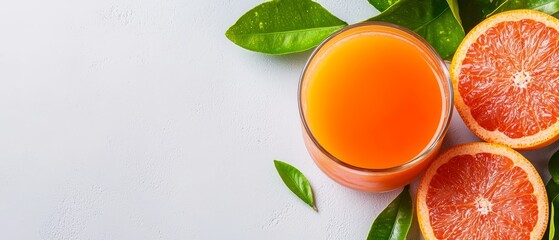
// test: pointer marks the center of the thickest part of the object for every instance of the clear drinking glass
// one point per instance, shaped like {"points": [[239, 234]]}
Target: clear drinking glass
{"points": [[377, 180]]}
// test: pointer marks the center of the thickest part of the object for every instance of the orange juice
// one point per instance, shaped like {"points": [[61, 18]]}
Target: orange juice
{"points": [[375, 98]]}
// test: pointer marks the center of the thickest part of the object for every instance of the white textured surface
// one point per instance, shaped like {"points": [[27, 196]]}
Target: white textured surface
{"points": [[124, 119]]}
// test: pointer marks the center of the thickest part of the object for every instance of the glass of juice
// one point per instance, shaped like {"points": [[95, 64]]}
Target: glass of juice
{"points": [[375, 101]]}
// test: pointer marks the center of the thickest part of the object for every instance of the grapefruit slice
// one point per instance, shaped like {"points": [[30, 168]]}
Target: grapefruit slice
{"points": [[506, 79], [482, 191]]}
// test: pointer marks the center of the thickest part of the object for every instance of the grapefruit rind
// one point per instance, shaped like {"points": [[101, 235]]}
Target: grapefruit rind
{"points": [[538, 140], [479, 147]]}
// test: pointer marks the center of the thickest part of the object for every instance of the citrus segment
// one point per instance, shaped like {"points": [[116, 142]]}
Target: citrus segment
{"points": [[482, 191], [506, 78]]}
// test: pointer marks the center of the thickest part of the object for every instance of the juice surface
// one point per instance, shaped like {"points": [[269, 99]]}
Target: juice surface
{"points": [[372, 100]]}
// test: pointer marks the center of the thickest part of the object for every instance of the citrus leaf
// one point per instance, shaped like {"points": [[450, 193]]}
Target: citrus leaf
{"points": [[552, 190], [296, 182], [475, 11], [553, 166], [546, 6], [395, 220], [432, 19], [382, 5], [284, 26], [453, 4], [553, 219]]}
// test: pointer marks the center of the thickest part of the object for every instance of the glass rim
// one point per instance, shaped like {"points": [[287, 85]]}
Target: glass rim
{"points": [[438, 60]]}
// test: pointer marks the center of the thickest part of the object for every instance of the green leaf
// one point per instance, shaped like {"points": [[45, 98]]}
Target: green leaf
{"points": [[296, 182], [552, 190], [284, 26], [382, 5], [553, 166], [553, 219], [395, 220], [432, 19], [453, 4], [475, 11], [546, 6]]}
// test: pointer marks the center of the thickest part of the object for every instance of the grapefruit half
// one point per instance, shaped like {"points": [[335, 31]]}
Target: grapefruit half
{"points": [[482, 191], [506, 79]]}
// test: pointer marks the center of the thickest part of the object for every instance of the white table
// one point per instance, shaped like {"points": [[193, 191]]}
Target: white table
{"points": [[124, 119]]}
